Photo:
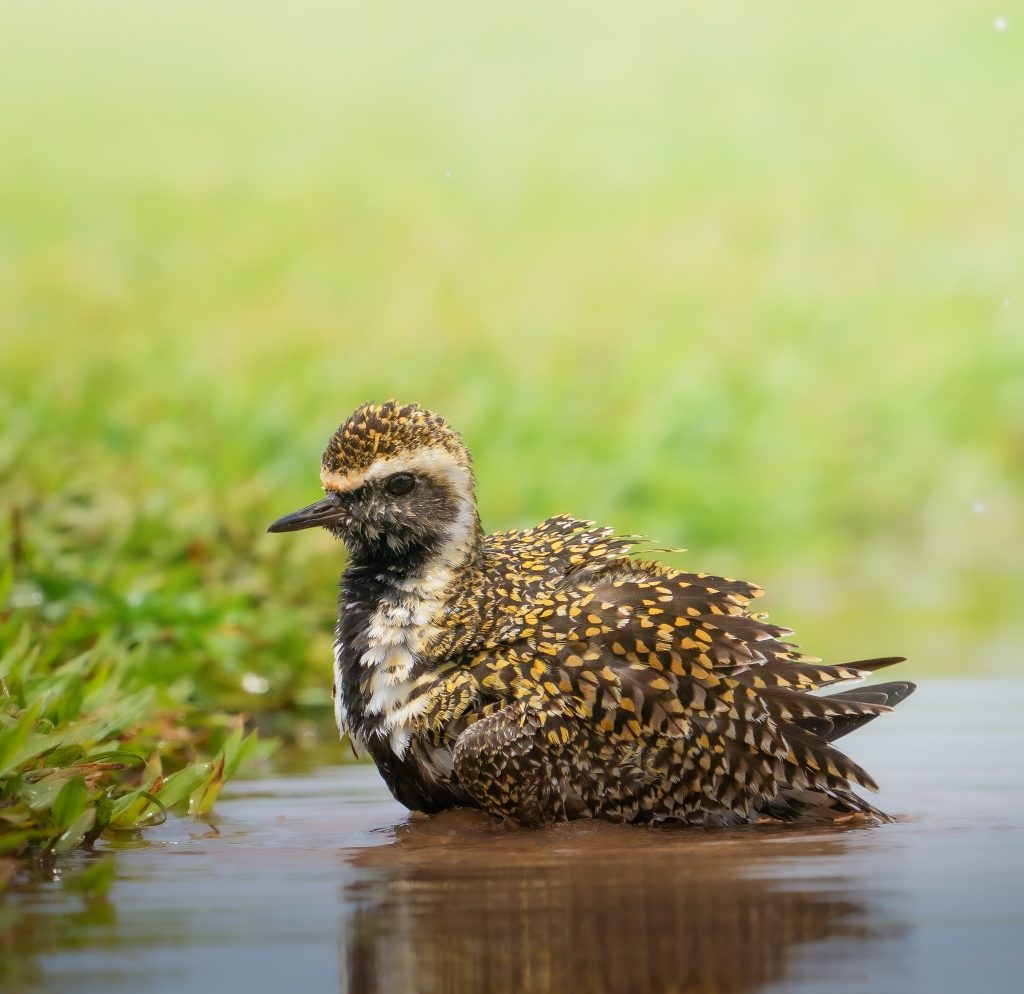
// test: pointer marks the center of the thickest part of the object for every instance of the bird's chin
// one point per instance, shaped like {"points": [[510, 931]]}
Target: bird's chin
{"points": [[384, 548]]}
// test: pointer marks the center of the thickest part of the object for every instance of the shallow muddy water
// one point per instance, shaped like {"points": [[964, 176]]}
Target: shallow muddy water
{"points": [[323, 883]]}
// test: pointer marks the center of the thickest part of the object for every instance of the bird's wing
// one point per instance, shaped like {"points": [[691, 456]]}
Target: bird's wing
{"points": [[643, 652], [535, 765]]}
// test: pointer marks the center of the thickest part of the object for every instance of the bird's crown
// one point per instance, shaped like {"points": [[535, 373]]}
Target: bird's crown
{"points": [[388, 435]]}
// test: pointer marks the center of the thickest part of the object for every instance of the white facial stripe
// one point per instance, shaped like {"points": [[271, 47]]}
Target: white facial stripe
{"points": [[430, 461]]}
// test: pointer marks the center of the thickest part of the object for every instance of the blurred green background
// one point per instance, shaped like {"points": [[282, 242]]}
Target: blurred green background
{"points": [[743, 278]]}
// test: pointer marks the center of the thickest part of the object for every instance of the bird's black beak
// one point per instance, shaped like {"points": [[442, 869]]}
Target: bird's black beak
{"points": [[323, 512]]}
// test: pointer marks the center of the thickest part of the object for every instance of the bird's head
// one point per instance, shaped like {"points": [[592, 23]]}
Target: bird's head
{"points": [[398, 483]]}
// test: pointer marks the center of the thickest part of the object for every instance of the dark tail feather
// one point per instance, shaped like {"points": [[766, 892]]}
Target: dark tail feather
{"points": [[817, 805], [889, 694], [875, 664], [836, 726]]}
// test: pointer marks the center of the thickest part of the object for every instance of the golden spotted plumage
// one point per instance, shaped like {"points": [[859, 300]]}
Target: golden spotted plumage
{"points": [[549, 674]]}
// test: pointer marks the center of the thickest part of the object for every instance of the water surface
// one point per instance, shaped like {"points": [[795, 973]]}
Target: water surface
{"points": [[323, 883]]}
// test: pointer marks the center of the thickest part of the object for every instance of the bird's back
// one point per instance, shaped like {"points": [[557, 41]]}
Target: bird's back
{"points": [[607, 686]]}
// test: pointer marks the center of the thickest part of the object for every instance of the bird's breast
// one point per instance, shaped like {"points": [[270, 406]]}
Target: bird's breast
{"points": [[378, 665]]}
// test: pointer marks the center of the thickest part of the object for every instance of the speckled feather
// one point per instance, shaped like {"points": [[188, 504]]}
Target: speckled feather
{"points": [[384, 431], [549, 674]]}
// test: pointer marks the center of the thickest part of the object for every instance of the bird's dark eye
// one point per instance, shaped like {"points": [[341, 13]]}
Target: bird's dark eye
{"points": [[400, 484]]}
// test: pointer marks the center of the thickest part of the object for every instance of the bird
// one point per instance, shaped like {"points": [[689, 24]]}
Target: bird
{"points": [[553, 673]]}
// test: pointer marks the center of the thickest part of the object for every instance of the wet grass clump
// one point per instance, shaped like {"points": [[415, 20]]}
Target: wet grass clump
{"points": [[85, 743]]}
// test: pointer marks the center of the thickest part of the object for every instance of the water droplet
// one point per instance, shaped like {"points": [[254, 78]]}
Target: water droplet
{"points": [[447, 174], [253, 683], [1001, 23], [1006, 303], [25, 595], [979, 507]]}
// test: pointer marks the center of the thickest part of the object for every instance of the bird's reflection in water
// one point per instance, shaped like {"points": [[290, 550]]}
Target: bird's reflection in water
{"points": [[459, 905]]}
